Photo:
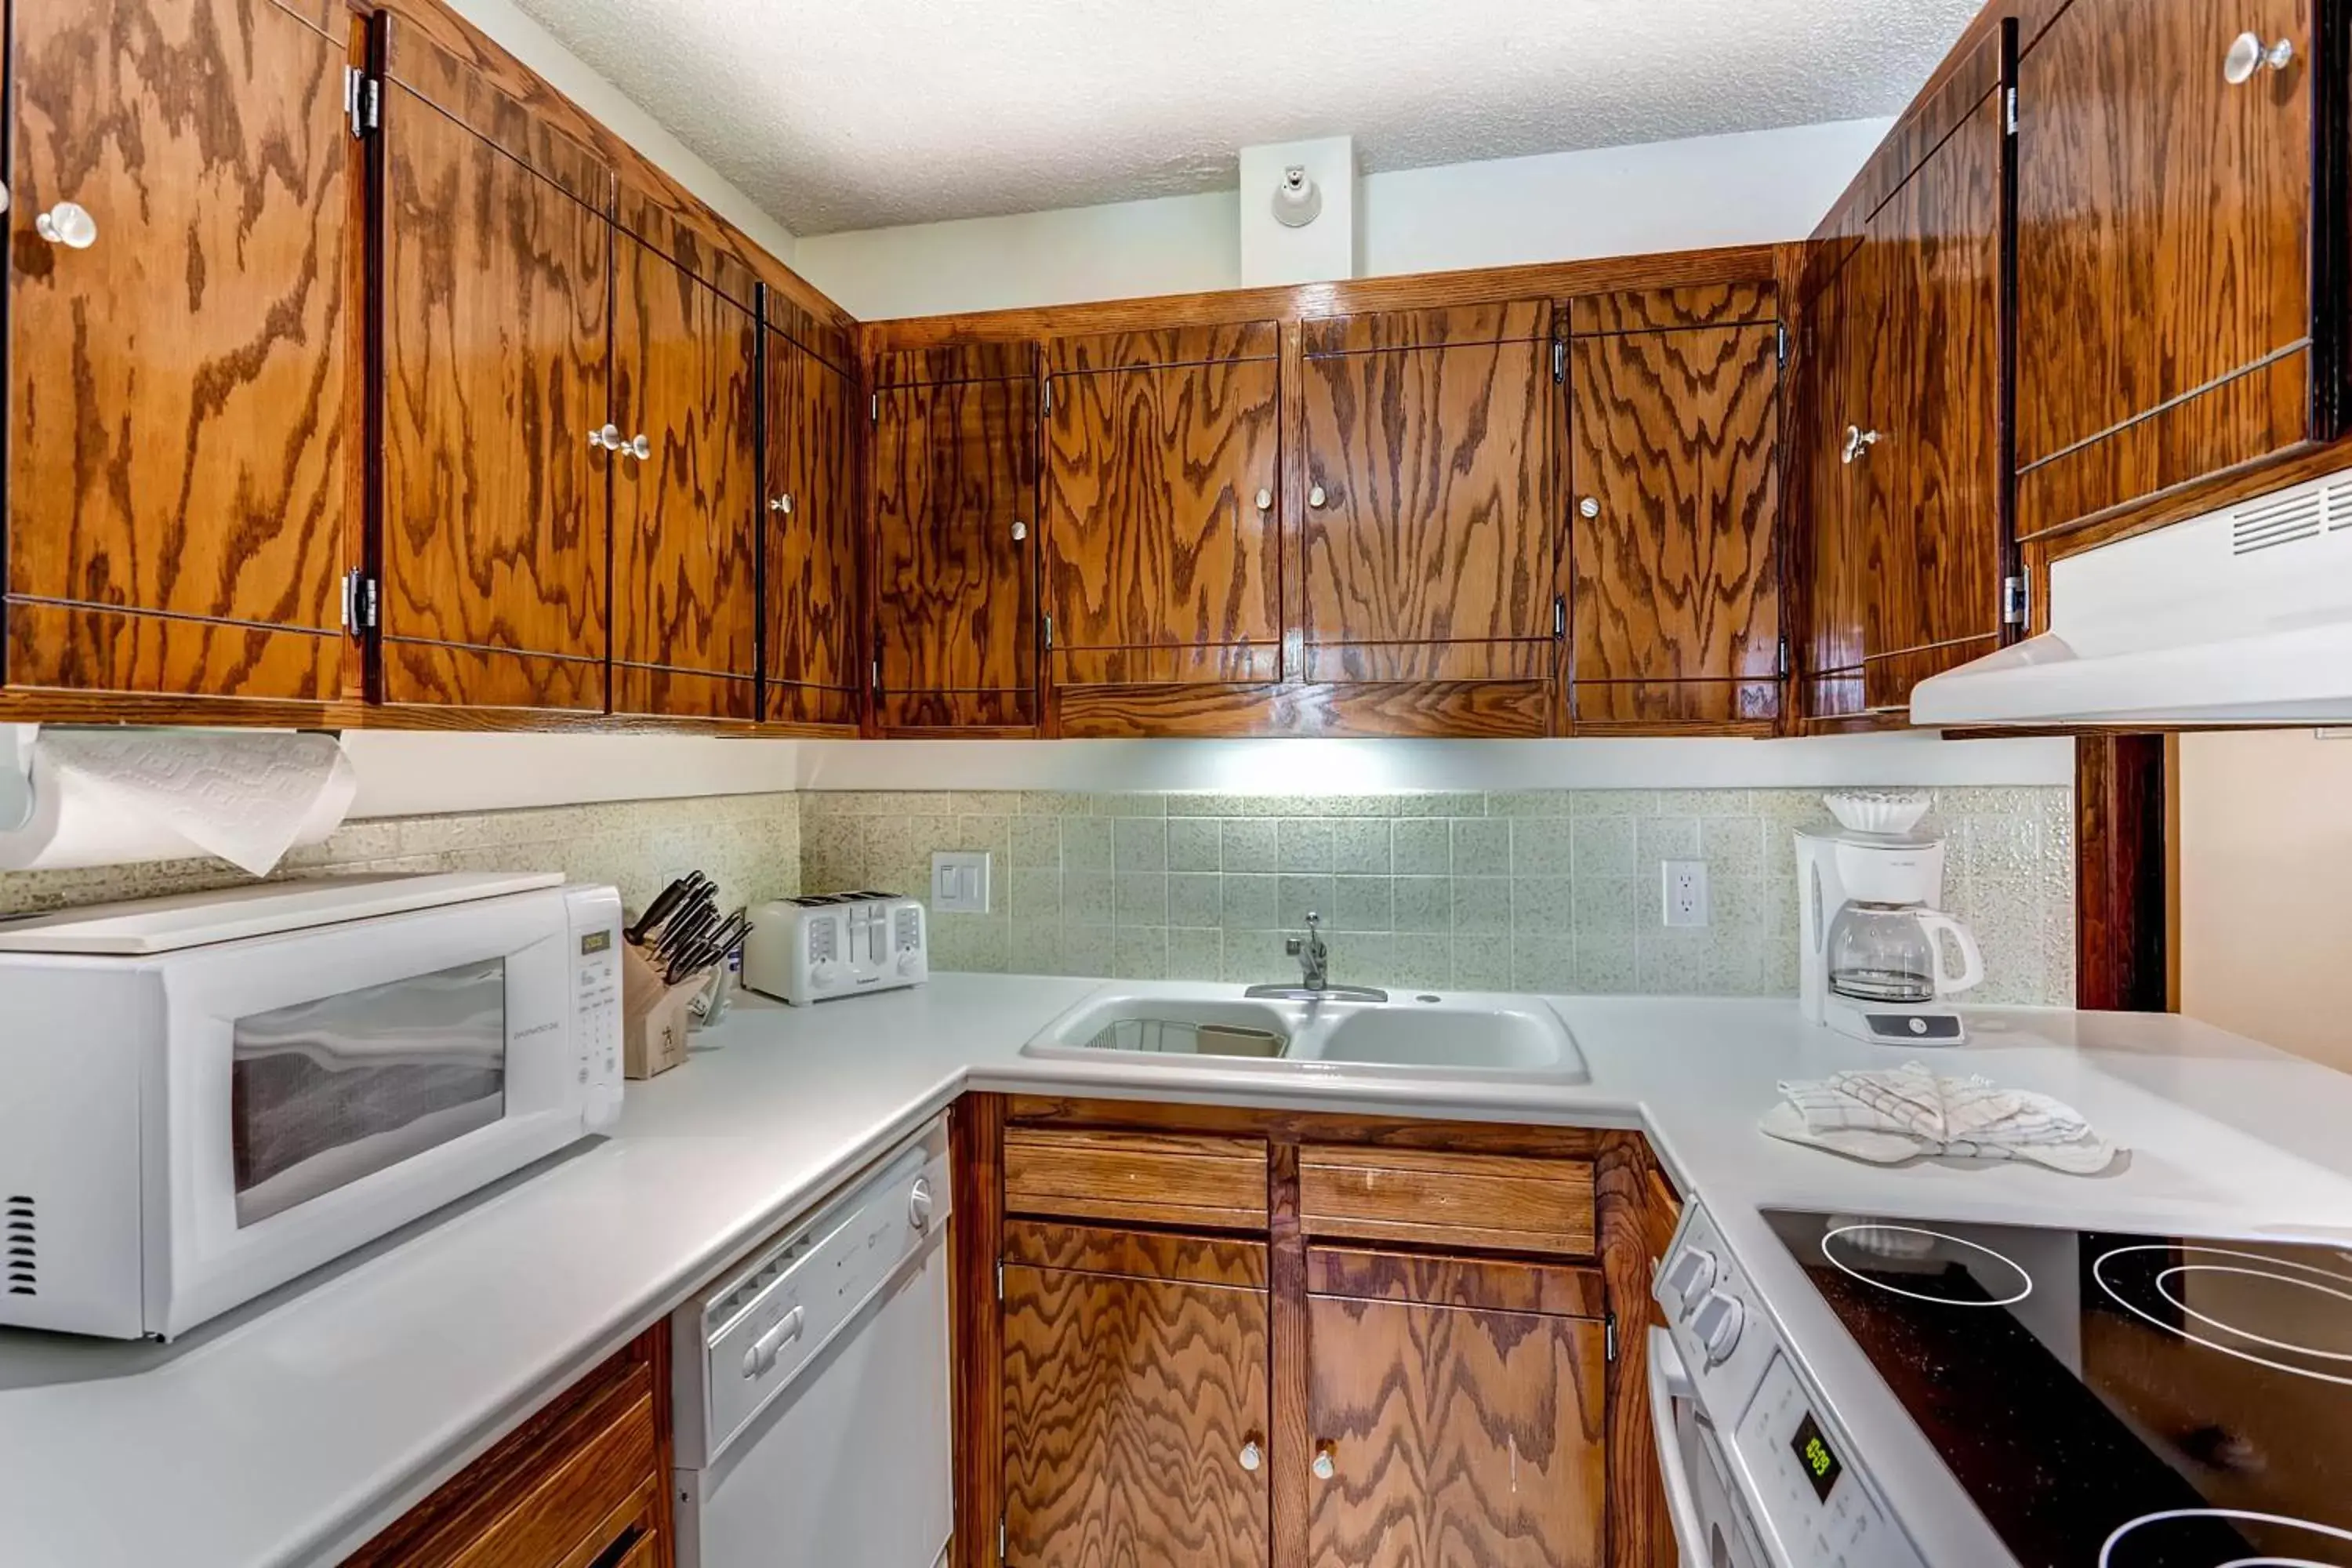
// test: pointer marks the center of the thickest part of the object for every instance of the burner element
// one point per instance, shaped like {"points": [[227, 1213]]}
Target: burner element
{"points": [[1972, 1274], [2174, 1522], [2168, 1272]]}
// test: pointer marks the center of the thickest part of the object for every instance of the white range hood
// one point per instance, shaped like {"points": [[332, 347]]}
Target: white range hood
{"points": [[2242, 616]]}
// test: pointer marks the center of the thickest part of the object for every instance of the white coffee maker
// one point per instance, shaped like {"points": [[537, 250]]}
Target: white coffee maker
{"points": [[1871, 965]]}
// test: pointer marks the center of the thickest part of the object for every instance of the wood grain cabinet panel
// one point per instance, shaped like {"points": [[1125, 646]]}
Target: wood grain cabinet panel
{"points": [[1190, 1180], [182, 394], [815, 659], [684, 516], [1162, 478], [1456, 1436], [1675, 482], [2164, 250], [1128, 1403], [1428, 540], [1499, 1203], [955, 563], [497, 329], [1827, 525]]}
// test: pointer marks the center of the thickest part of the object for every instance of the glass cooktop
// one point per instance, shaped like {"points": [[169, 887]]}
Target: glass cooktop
{"points": [[2112, 1400]]}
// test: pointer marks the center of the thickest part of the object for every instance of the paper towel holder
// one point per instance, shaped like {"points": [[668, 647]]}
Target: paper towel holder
{"points": [[16, 775]]}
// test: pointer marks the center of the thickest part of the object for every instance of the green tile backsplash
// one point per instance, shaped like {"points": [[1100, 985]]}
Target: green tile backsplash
{"points": [[1549, 890]]}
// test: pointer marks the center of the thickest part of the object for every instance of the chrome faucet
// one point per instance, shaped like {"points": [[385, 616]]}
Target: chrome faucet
{"points": [[1314, 958]]}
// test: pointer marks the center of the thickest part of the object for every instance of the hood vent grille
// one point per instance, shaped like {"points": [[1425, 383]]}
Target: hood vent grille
{"points": [[2285, 520], [18, 1258]]}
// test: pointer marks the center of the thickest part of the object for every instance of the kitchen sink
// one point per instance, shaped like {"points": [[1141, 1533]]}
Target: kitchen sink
{"points": [[1413, 1034]]}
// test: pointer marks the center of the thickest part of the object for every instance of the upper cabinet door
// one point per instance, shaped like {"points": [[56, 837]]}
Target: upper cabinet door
{"points": [[685, 511], [1673, 509], [812, 573], [955, 551], [497, 330], [1162, 454], [1454, 1435], [182, 392], [1826, 524], [1933, 478], [1428, 538], [2164, 249]]}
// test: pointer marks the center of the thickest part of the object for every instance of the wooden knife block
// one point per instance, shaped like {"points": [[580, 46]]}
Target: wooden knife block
{"points": [[655, 1015]]}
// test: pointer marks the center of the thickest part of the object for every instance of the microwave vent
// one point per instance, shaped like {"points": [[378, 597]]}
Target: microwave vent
{"points": [[19, 1256], [2290, 519]]}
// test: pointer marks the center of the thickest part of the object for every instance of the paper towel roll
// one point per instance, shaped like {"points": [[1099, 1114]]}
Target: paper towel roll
{"points": [[107, 798]]}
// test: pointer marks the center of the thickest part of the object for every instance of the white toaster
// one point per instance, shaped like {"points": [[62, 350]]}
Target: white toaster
{"points": [[835, 944]]}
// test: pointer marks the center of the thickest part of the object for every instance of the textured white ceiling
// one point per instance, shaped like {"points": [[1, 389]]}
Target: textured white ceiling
{"points": [[841, 114]]}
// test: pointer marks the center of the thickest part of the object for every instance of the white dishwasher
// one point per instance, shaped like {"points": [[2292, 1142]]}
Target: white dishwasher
{"points": [[812, 1385]]}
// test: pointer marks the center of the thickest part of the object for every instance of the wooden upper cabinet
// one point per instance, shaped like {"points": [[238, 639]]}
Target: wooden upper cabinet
{"points": [[1673, 502], [1826, 528], [2164, 251], [184, 395], [1136, 1406], [495, 311], [686, 513], [1162, 457], [814, 665], [954, 537], [1428, 538], [1462, 1413]]}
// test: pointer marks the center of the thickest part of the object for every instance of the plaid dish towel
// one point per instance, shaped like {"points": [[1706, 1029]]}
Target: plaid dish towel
{"points": [[1891, 1114]]}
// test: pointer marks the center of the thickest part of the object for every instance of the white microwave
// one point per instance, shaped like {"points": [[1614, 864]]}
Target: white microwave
{"points": [[202, 1096]]}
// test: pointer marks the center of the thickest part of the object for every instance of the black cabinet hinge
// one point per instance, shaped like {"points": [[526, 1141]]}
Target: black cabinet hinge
{"points": [[1049, 634], [359, 603], [874, 410], [363, 102], [1560, 361], [1783, 330], [2010, 112], [1560, 617], [1608, 1340], [1048, 400]]}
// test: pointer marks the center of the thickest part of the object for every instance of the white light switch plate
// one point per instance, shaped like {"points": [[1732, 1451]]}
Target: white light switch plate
{"points": [[1685, 900], [959, 883]]}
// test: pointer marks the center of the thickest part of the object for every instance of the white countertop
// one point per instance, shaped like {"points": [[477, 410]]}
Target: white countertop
{"points": [[291, 1430]]}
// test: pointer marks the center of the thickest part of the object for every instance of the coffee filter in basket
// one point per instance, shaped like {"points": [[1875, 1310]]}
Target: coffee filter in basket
{"points": [[1885, 811]]}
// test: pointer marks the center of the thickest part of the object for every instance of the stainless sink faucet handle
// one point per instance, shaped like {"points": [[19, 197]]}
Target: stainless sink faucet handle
{"points": [[1314, 959]]}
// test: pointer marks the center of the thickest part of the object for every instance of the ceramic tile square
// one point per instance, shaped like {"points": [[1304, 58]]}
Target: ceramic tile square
{"points": [[1612, 803], [1296, 896], [1140, 844], [1250, 844], [1141, 952], [1305, 845], [1195, 844], [1360, 847], [1195, 899], [1482, 906], [1602, 845], [1089, 897], [1529, 803], [1255, 958], [1196, 955], [1033, 896], [1732, 846], [1482, 848], [1036, 947], [1362, 904], [1541, 846], [1660, 838], [1143, 897], [1036, 843], [1542, 961], [1424, 903], [1421, 847], [1483, 962], [1248, 901], [1606, 963], [1090, 950], [1439, 803], [1422, 961], [1085, 844], [1543, 905], [1362, 958]]}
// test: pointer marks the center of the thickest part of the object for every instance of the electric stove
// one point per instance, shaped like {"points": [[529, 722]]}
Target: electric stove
{"points": [[2112, 1400]]}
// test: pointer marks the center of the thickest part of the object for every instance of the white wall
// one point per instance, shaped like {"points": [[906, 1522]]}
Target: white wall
{"points": [[1755, 187], [535, 46]]}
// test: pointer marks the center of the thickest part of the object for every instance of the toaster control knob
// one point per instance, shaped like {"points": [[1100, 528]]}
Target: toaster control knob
{"points": [[1718, 1325], [1690, 1276], [907, 960], [825, 971]]}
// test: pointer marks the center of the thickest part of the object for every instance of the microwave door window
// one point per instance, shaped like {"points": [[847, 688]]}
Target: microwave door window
{"points": [[325, 1093]]}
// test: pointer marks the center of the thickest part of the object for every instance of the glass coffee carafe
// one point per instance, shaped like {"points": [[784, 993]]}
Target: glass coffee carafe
{"points": [[1888, 954]]}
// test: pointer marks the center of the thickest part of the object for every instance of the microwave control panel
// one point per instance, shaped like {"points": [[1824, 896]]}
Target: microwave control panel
{"points": [[596, 1001]]}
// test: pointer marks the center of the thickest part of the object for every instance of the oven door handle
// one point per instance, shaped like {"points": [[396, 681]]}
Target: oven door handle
{"points": [[1669, 1382]]}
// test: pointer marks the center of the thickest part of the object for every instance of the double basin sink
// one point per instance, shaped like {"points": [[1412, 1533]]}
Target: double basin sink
{"points": [[1410, 1034]]}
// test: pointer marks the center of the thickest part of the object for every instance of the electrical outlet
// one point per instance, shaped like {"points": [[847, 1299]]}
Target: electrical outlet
{"points": [[959, 883], [1686, 893]]}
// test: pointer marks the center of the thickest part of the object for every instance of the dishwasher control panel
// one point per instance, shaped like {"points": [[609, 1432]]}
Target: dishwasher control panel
{"points": [[740, 1344]]}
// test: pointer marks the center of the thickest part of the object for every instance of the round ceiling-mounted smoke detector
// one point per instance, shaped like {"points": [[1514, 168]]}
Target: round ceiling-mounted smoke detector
{"points": [[1298, 200]]}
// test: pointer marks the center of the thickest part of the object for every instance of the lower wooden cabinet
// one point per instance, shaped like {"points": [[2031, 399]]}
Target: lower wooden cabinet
{"points": [[584, 1483], [1449, 1423], [1158, 1368], [1135, 1399]]}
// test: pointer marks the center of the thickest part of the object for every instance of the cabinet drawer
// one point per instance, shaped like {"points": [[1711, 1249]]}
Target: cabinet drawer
{"points": [[1147, 1178], [1496, 1202]]}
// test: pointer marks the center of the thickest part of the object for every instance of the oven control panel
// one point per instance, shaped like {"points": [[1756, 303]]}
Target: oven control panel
{"points": [[1796, 1479]]}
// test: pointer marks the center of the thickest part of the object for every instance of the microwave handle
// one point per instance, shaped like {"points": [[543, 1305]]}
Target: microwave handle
{"points": [[1670, 1381]]}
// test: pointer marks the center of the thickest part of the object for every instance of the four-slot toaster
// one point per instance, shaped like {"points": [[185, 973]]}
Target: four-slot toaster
{"points": [[835, 944]]}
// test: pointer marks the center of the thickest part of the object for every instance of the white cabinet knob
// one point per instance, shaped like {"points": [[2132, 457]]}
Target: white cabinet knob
{"points": [[608, 438], [1020, 532], [3, 198], [1265, 500], [1251, 1456], [638, 447], [1315, 496], [68, 225], [2248, 54], [1588, 508], [1858, 443], [782, 504], [1323, 1467]]}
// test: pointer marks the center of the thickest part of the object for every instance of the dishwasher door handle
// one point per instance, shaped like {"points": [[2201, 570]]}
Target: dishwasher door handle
{"points": [[762, 1353]]}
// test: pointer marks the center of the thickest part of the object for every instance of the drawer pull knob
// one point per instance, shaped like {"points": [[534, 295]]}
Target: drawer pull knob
{"points": [[1252, 1458], [2248, 54], [69, 224], [1323, 1467]]}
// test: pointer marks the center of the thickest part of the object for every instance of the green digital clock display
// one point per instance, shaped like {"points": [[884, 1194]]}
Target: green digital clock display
{"points": [[1815, 1457]]}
